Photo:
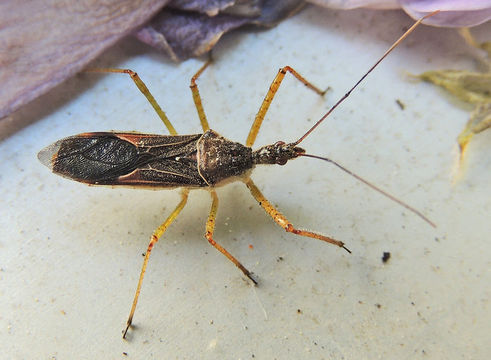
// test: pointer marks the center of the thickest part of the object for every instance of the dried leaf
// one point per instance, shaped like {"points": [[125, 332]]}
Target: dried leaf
{"points": [[486, 46], [472, 87], [185, 34], [480, 120], [209, 7]]}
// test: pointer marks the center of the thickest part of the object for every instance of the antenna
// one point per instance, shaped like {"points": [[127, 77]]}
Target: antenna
{"points": [[409, 31], [366, 182]]}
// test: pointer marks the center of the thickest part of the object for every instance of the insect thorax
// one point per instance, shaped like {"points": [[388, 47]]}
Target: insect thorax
{"points": [[220, 159]]}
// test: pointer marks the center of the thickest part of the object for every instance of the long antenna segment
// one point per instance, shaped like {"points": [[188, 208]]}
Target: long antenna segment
{"points": [[409, 31], [366, 182]]}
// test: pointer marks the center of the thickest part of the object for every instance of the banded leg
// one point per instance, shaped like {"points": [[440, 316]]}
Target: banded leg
{"points": [[197, 97], [210, 228], [273, 88], [155, 237], [144, 90], [282, 221]]}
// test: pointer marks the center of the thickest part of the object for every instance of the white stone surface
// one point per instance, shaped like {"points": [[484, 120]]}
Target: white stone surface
{"points": [[70, 255]]}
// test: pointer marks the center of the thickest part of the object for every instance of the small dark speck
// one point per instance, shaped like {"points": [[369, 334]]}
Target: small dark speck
{"points": [[378, 306], [299, 311], [385, 257], [125, 353], [279, 258], [401, 104]]}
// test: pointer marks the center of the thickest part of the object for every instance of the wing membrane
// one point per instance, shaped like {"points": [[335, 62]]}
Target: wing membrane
{"points": [[128, 159]]}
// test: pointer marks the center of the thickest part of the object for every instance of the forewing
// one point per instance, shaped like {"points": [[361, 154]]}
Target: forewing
{"points": [[128, 159]]}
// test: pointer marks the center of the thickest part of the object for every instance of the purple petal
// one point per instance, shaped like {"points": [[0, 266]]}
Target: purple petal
{"points": [[353, 4], [453, 13]]}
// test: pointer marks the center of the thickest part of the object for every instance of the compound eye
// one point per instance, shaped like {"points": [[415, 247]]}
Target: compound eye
{"points": [[282, 161]]}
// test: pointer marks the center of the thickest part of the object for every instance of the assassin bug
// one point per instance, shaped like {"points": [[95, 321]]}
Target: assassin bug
{"points": [[206, 160]]}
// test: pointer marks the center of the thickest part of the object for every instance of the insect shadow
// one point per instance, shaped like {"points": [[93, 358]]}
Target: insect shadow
{"points": [[198, 161]]}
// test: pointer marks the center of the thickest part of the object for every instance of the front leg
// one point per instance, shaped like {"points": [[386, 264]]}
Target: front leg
{"points": [[210, 228], [273, 88]]}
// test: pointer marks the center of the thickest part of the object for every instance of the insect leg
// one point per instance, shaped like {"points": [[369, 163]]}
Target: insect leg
{"points": [[197, 97], [143, 88], [273, 88], [282, 221], [210, 228], [155, 237]]}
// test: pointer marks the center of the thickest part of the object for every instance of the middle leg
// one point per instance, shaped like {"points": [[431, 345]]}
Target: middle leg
{"points": [[210, 228]]}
